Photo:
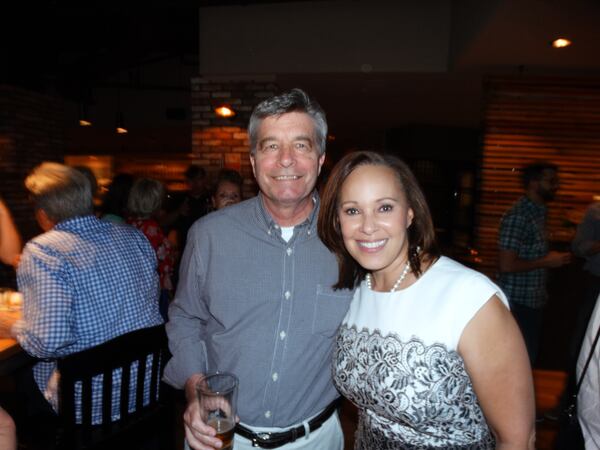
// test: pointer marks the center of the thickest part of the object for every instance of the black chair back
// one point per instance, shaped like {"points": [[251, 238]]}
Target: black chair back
{"points": [[120, 352]]}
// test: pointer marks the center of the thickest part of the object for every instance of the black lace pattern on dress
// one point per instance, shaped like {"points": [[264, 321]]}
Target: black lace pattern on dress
{"points": [[410, 395]]}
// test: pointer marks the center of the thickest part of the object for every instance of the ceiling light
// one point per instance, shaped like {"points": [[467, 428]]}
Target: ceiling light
{"points": [[561, 43], [120, 128], [120, 124], [224, 111], [84, 118]]}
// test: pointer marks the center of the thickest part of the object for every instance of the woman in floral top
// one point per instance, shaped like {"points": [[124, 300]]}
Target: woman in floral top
{"points": [[144, 203]]}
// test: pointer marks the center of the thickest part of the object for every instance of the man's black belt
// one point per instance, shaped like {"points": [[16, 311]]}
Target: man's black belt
{"points": [[274, 440]]}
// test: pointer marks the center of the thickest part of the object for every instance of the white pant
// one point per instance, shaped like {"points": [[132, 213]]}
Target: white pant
{"points": [[328, 436]]}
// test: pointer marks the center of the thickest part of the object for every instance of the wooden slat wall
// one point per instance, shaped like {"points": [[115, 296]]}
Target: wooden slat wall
{"points": [[528, 119]]}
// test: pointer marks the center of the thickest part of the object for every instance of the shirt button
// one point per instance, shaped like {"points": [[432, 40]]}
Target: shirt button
{"points": [[275, 376], [308, 232], [268, 414], [282, 335], [269, 232], [287, 295], [289, 251]]}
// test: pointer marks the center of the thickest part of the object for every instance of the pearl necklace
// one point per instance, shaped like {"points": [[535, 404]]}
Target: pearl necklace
{"points": [[397, 283]]}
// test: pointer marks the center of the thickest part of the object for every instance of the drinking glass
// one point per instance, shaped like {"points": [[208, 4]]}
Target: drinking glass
{"points": [[217, 394], [4, 298]]}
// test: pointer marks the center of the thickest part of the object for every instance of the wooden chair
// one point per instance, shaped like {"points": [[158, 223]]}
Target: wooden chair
{"points": [[134, 427]]}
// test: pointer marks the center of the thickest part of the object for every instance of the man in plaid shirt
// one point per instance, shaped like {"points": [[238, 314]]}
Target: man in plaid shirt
{"points": [[524, 257], [84, 281]]}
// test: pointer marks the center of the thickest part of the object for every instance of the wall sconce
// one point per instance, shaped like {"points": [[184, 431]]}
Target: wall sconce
{"points": [[224, 111], [561, 42]]}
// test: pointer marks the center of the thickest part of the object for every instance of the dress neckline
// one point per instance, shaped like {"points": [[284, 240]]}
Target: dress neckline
{"points": [[406, 289]]}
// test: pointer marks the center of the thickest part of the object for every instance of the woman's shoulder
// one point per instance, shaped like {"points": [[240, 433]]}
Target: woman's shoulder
{"points": [[464, 282], [450, 268], [447, 270]]}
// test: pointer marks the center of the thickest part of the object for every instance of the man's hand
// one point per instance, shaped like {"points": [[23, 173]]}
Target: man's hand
{"points": [[7, 320], [199, 435], [557, 259]]}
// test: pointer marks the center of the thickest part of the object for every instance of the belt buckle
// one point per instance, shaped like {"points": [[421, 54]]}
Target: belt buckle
{"points": [[263, 436]]}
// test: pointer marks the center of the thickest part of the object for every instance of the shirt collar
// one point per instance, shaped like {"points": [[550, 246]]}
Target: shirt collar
{"points": [[310, 222], [77, 222]]}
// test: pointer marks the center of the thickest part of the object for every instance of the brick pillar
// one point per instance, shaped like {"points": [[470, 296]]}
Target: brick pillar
{"points": [[223, 142], [31, 131]]}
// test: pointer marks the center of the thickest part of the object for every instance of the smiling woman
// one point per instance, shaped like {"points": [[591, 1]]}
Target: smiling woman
{"points": [[428, 350], [374, 217]]}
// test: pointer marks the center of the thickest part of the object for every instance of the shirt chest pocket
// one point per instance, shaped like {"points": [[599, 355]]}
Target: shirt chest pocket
{"points": [[330, 307]]}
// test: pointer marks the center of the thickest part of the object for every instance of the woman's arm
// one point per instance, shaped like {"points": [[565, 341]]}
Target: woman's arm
{"points": [[8, 431], [10, 241], [496, 360]]}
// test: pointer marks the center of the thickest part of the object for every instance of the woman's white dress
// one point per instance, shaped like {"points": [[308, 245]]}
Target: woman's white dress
{"points": [[396, 358]]}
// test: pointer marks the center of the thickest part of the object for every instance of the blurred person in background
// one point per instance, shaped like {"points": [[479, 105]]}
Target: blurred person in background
{"points": [[197, 198], [144, 205], [84, 281], [194, 204], [586, 244], [228, 189], [114, 202], [524, 255], [10, 240], [588, 397]]}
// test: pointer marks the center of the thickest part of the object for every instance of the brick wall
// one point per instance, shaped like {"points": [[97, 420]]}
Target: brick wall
{"points": [[223, 142], [31, 131]]}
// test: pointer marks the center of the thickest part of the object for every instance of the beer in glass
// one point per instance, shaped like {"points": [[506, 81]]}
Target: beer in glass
{"points": [[217, 394]]}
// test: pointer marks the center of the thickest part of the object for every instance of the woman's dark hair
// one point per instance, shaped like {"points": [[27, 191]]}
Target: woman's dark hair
{"points": [[421, 233], [115, 199]]}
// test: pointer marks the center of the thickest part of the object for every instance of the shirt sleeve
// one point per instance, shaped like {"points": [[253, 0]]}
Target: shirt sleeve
{"points": [[46, 329], [187, 318], [511, 232], [472, 292], [586, 233]]}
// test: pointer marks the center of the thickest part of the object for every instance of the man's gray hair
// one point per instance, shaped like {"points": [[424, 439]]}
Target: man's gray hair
{"points": [[295, 100], [60, 191]]}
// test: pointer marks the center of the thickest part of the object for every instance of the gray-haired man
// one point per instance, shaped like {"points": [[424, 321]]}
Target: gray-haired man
{"points": [[255, 297]]}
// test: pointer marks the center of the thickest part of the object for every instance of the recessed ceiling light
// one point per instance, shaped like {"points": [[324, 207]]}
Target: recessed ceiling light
{"points": [[561, 43]]}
